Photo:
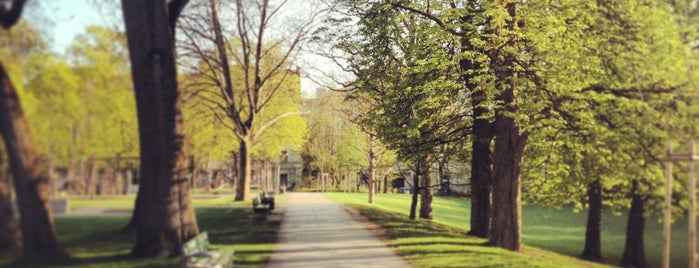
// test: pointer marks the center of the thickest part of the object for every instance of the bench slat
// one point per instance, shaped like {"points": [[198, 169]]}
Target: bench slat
{"points": [[197, 254]]}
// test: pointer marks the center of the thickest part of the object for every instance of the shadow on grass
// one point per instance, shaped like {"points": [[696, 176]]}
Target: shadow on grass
{"points": [[425, 243], [100, 241]]}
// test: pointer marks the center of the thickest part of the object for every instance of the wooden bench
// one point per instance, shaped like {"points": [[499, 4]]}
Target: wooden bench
{"points": [[268, 199], [260, 210], [196, 253]]}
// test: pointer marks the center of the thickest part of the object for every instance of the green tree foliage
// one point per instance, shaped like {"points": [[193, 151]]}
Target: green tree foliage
{"points": [[83, 106], [99, 56], [405, 64], [250, 70], [591, 81]]}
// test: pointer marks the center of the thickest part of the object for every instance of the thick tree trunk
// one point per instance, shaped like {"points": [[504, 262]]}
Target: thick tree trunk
{"points": [[510, 143], [9, 234], [482, 135], [593, 240], [242, 193], [164, 214], [425, 188], [481, 175], [39, 240], [634, 251]]}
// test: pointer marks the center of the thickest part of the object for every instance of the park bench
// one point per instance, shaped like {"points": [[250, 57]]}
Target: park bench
{"points": [[262, 205], [196, 253], [267, 198]]}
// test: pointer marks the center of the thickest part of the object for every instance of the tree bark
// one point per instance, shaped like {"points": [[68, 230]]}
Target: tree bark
{"points": [[510, 142], [482, 135], [481, 172], [507, 207], [385, 184], [39, 240], [425, 188], [634, 250], [415, 191], [242, 193], [9, 234], [90, 183], [164, 215], [593, 240], [372, 170]]}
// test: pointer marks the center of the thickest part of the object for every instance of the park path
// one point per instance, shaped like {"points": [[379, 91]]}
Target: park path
{"points": [[317, 232]]}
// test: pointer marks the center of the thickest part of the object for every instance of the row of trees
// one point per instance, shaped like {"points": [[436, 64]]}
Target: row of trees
{"points": [[591, 89], [253, 97]]}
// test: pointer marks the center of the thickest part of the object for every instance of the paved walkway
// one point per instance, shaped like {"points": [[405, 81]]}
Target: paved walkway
{"points": [[317, 232]]}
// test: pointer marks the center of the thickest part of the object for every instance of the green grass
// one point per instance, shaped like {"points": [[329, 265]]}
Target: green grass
{"points": [[97, 241], [127, 201], [557, 230]]}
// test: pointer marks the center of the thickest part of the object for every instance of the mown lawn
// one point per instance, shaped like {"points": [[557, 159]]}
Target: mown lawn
{"points": [[557, 230], [98, 241]]}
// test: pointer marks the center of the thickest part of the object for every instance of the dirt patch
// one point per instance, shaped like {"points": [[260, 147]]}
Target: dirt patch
{"points": [[376, 230]]}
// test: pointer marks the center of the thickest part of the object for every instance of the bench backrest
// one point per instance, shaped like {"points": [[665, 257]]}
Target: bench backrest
{"points": [[198, 244]]}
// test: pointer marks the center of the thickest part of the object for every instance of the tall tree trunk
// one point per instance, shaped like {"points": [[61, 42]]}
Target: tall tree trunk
{"points": [[415, 192], [425, 188], [372, 170], [482, 135], [507, 208], [385, 184], [164, 214], [481, 176], [39, 240], [91, 178], [634, 251], [593, 240], [9, 234], [242, 193], [510, 142]]}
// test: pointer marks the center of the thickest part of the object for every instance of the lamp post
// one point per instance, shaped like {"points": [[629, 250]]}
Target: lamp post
{"points": [[670, 158]]}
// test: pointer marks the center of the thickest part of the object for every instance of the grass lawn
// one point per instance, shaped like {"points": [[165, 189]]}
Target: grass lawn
{"points": [[557, 230], [127, 201], [97, 241]]}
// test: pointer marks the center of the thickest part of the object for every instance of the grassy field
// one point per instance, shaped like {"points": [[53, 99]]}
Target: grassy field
{"points": [[97, 241], [558, 230]]}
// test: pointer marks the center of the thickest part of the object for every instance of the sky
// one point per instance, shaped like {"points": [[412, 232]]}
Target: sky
{"points": [[62, 20], [65, 19]]}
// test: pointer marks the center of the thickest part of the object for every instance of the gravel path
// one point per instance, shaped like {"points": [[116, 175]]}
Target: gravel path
{"points": [[317, 232]]}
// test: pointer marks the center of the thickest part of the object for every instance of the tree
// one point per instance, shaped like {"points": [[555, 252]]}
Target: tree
{"points": [[164, 217], [39, 240], [406, 65], [613, 116], [16, 50], [241, 46]]}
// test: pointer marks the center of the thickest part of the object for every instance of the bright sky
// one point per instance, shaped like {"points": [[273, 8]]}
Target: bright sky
{"points": [[64, 19]]}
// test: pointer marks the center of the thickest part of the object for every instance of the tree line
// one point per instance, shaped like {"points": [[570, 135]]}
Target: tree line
{"points": [[128, 94], [565, 102]]}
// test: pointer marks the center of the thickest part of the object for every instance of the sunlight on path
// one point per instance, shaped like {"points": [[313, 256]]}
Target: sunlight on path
{"points": [[316, 232]]}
